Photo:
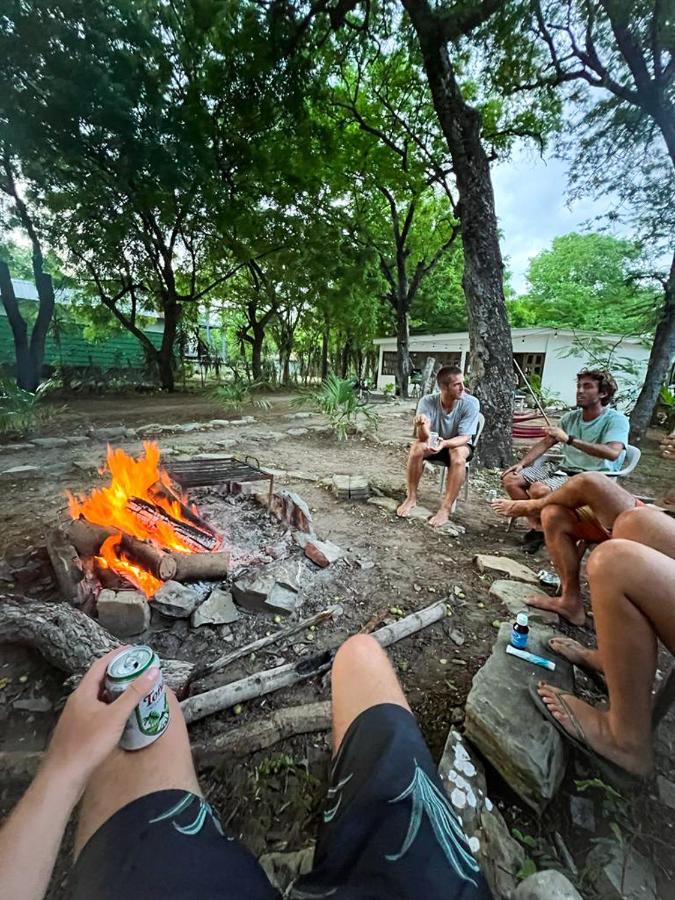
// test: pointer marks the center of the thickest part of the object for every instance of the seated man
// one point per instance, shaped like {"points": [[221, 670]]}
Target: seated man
{"points": [[146, 830], [452, 415], [583, 509], [593, 438], [632, 581]]}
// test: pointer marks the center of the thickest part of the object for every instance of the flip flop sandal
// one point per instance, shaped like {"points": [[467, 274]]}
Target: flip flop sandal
{"points": [[611, 773], [596, 677]]}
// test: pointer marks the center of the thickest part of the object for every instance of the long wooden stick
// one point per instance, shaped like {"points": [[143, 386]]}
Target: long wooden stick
{"points": [[229, 658], [534, 396], [269, 680]]}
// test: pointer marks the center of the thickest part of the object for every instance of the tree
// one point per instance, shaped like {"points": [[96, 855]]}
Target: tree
{"points": [[135, 131], [624, 140], [585, 281], [29, 351]]}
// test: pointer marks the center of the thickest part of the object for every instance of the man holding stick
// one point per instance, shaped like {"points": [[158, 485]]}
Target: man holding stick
{"points": [[592, 438]]}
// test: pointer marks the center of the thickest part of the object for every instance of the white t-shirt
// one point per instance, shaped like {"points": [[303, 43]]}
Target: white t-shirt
{"points": [[460, 420]]}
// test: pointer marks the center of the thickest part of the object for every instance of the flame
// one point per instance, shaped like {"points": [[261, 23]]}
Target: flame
{"points": [[132, 478], [113, 558]]}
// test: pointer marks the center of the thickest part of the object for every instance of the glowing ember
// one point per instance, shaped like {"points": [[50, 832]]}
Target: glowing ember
{"points": [[134, 480], [112, 558]]}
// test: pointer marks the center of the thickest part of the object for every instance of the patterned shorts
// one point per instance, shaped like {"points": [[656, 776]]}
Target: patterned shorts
{"points": [[388, 831], [547, 473]]}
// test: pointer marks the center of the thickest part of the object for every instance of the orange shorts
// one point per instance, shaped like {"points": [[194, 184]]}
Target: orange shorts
{"points": [[593, 528]]}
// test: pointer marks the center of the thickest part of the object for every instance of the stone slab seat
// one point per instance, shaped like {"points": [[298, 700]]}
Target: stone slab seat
{"points": [[503, 723]]}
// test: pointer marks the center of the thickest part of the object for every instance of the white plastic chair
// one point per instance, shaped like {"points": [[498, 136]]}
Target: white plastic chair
{"points": [[633, 455], [438, 462]]}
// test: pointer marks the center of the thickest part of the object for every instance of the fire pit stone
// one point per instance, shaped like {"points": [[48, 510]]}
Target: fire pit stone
{"points": [[219, 609], [270, 592], [176, 600], [123, 613], [322, 553]]}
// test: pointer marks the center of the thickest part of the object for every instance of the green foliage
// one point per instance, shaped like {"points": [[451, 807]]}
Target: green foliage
{"points": [[20, 411], [337, 400], [238, 394], [529, 867], [584, 281], [600, 354]]}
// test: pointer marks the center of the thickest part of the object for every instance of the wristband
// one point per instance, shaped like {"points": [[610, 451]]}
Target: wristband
{"points": [[570, 440]]}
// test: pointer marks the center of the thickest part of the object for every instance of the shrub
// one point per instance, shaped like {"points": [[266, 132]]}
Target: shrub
{"points": [[236, 394], [21, 411], [337, 399]]}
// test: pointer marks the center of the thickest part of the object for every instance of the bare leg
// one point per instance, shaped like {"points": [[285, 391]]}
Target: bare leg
{"points": [[562, 530], [633, 596], [602, 494], [362, 676], [456, 477], [414, 472], [126, 776], [647, 526]]}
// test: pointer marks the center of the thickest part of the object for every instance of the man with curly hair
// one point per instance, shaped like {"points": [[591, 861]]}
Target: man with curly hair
{"points": [[591, 438]]}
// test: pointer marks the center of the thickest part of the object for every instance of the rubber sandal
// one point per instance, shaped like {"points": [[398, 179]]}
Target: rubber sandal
{"points": [[610, 772], [596, 677]]}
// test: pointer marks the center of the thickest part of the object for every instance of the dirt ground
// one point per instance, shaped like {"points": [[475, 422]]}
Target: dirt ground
{"points": [[271, 799]]}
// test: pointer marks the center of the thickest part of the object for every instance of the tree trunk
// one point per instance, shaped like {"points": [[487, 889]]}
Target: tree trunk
{"points": [[257, 342], [660, 360], [491, 347], [45, 289], [344, 360], [165, 356], [403, 361], [324, 352], [26, 377]]}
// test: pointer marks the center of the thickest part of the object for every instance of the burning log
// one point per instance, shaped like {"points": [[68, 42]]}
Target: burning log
{"points": [[87, 538], [69, 639], [200, 566], [72, 580], [153, 518], [161, 491]]}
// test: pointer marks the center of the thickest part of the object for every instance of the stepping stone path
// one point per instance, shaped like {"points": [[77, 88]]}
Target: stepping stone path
{"points": [[513, 595], [351, 487], [516, 570], [17, 473], [503, 723]]}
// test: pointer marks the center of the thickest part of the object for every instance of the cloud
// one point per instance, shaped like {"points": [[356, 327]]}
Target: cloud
{"points": [[532, 208]]}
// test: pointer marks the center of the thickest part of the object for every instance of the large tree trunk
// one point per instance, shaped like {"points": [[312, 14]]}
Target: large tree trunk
{"points": [[491, 347], [660, 360], [257, 342], [26, 376], [38, 338], [403, 361], [324, 352], [165, 360]]}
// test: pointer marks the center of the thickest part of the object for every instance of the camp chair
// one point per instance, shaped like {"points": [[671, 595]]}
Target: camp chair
{"points": [[438, 462]]}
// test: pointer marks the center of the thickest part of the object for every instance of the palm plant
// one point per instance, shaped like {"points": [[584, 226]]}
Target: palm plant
{"points": [[338, 401], [236, 394], [21, 411]]}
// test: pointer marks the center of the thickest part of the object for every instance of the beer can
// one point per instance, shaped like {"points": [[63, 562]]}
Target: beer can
{"points": [[434, 439], [150, 718]]}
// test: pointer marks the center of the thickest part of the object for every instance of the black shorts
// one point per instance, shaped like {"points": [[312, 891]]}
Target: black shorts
{"points": [[444, 455], [388, 832]]}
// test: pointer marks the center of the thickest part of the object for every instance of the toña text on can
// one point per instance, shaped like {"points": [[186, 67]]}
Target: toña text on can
{"points": [[149, 719]]}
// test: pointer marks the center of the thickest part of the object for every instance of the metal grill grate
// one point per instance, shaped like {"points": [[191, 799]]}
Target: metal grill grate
{"points": [[217, 470]]}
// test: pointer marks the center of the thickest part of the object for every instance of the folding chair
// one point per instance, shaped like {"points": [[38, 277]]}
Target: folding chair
{"points": [[438, 462]]}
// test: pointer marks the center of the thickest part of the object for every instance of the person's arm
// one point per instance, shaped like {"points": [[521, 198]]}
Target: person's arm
{"points": [[87, 731], [610, 450], [460, 441], [532, 454]]}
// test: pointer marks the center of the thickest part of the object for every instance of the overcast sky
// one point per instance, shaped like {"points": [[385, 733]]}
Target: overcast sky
{"points": [[532, 208]]}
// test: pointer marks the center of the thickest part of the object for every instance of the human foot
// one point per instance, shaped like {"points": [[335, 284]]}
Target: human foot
{"points": [[408, 504], [513, 509], [576, 653], [441, 517], [569, 608], [591, 726]]}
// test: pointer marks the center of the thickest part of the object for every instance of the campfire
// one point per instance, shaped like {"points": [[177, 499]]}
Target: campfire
{"points": [[142, 528]]}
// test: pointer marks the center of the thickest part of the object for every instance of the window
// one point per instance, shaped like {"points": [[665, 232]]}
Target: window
{"points": [[531, 364], [388, 363], [419, 360]]}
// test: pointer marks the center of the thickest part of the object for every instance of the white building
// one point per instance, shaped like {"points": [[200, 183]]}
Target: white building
{"points": [[551, 353]]}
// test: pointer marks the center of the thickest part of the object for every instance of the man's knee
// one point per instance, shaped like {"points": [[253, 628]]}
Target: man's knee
{"points": [[557, 518], [514, 482], [458, 457], [612, 557], [417, 450], [635, 524], [357, 652], [538, 490], [589, 481]]}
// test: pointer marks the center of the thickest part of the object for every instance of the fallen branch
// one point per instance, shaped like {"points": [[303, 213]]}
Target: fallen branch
{"points": [[275, 727], [229, 658], [269, 680], [69, 639]]}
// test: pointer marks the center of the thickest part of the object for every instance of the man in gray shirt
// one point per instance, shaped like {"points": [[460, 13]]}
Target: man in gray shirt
{"points": [[445, 425]]}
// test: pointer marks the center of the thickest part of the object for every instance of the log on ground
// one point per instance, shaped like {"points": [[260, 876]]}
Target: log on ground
{"points": [[69, 639]]}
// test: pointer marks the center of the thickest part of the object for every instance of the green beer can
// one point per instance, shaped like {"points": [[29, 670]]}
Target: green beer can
{"points": [[150, 718]]}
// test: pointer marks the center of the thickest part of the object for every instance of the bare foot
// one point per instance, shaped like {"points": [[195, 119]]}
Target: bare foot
{"points": [[405, 507], [512, 509], [569, 608], [576, 653], [440, 518], [596, 727]]}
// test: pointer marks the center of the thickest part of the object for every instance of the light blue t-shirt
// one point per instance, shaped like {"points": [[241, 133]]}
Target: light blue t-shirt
{"points": [[462, 418], [610, 425]]}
